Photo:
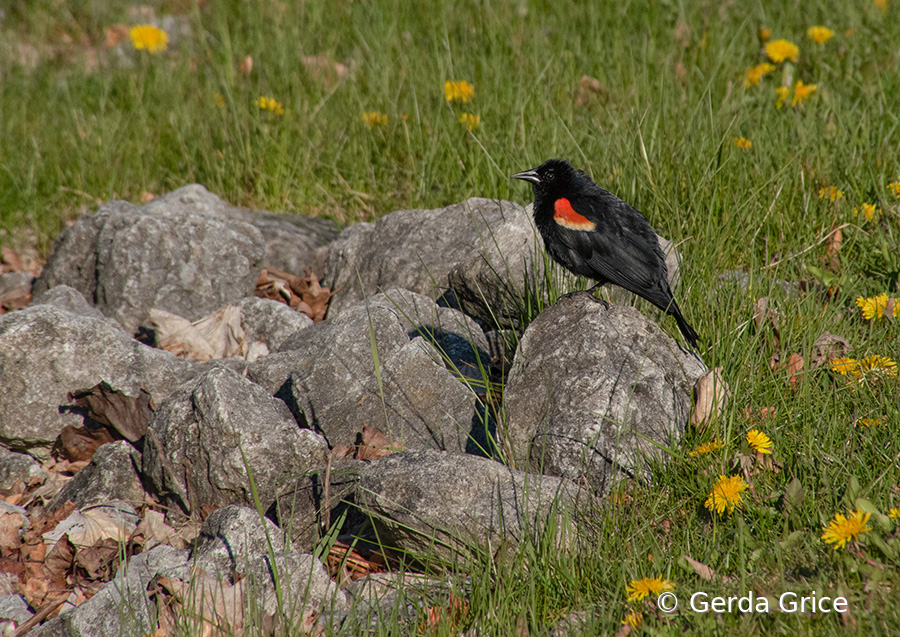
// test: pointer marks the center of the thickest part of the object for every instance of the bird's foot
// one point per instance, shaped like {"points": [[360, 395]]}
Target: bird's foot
{"points": [[590, 293]]}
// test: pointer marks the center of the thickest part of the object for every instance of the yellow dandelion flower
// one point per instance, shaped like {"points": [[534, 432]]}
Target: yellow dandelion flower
{"points": [[869, 422], [868, 211], [726, 494], [374, 119], [820, 34], [269, 104], [458, 91], [832, 193], [878, 365], [743, 143], [149, 38], [765, 34], [843, 529], [895, 188], [472, 122], [872, 307], [639, 589], [844, 366], [759, 441], [781, 50], [705, 448], [754, 74], [634, 620], [781, 95], [894, 513], [803, 91]]}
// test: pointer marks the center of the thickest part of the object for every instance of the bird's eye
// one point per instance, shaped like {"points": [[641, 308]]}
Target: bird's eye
{"points": [[549, 176]]}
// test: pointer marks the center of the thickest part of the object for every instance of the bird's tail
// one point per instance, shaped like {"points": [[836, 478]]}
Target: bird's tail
{"points": [[686, 330]]}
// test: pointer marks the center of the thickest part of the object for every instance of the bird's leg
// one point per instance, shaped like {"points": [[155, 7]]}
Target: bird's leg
{"points": [[599, 300]]}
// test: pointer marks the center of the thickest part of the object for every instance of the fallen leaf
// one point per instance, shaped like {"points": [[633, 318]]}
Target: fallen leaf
{"points": [[15, 299], [247, 64], [100, 561], [795, 369], [828, 347], [711, 392], [832, 246], [324, 69], [78, 444], [302, 293], [86, 527], [218, 335], [129, 416], [589, 89], [700, 568], [374, 444], [154, 531], [218, 604], [346, 565]]}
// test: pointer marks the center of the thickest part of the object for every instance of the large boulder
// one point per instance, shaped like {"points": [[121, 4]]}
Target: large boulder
{"points": [[177, 253], [592, 391], [434, 503], [328, 374], [208, 434], [46, 353], [418, 249]]}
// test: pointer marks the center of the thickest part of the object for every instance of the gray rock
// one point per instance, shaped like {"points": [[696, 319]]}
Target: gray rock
{"points": [[270, 321], [69, 300], [418, 249], [433, 503], [232, 538], [327, 376], [591, 398], [300, 503], [397, 600], [14, 608], [306, 587], [293, 242], [174, 254], [46, 353], [121, 607], [17, 467], [113, 474], [201, 437]]}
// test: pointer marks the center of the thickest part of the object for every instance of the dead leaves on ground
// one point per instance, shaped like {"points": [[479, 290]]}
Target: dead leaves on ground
{"points": [[711, 394], [218, 335], [13, 261], [302, 293], [371, 445]]}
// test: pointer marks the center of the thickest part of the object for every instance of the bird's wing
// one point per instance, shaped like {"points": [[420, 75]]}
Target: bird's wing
{"points": [[626, 254]]}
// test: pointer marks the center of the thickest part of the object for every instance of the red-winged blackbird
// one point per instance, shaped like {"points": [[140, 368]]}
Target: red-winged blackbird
{"points": [[591, 232]]}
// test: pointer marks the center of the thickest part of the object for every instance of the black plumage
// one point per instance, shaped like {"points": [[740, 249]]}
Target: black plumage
{"points": [[591, 232]]}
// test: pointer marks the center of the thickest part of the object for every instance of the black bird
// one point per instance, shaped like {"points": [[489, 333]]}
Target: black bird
{"points": [[591, 232]]}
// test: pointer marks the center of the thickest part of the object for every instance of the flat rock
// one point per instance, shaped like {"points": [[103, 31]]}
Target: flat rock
{"points": [[592, 389], [46, 353], [434, 503], [206, 436]]}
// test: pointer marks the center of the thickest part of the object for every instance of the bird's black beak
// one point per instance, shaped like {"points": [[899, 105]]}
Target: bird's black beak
{"points": [[528, 175]]}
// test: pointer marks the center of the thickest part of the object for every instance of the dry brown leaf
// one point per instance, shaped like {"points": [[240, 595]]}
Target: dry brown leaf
{"points": [[374, 444], [700, 568], [78, 444], [795, 369], [100, 561], [218, 335], [589, 89], [832, 247], [129, 416], [15, 299], [711, 393], [247, 64], [218, 604], [153, 531], [115, 34], [324, 69], [828, 347], [86, 527], [764, 315], [11, 529], [302, 293], [345, 565]]}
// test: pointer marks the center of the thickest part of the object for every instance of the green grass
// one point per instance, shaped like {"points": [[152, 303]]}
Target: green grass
{"points": [[82, 124]]}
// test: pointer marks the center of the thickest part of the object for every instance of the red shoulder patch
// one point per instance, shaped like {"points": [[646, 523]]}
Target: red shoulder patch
{"points": [[564, 214]]}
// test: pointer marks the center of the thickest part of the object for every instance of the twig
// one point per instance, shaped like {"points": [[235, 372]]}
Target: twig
{"points": [[43, 613]]}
